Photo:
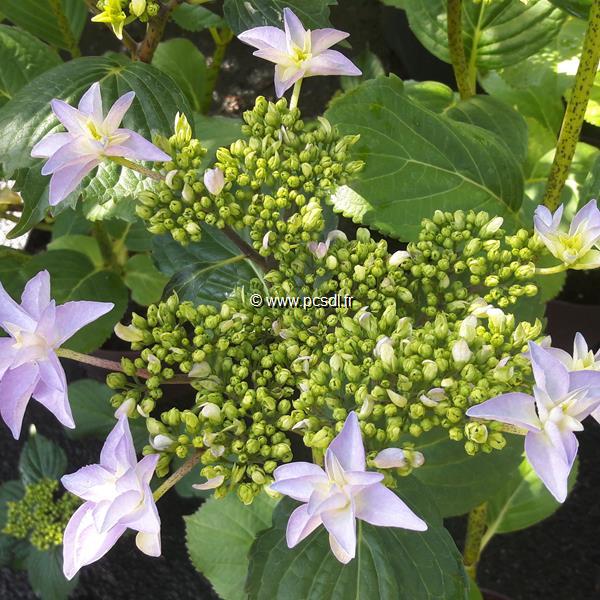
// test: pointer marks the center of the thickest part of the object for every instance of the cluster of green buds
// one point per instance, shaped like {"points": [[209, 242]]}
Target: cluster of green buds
{"points": [[274, 181], [118, 13], [40, 516], [420, 338]]}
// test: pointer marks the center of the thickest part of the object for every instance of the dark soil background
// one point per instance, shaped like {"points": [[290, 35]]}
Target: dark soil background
{"points": [[556, 559]]}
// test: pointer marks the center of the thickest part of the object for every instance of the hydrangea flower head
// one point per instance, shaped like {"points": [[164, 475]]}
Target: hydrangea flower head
{"points": [[28, 362], [90, 138], [117, 497], [575, 247], [341, 493], [298, 52]]}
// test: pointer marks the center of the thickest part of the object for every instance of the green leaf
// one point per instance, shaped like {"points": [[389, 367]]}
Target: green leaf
{"points": [[592, 184], [180, 59], [395, 3], [495, 116], [496, 34], [144, 280], [523, 500], [45, 571], [196, 18], [579, 8], [70, 222], [243, 14], [12, 549], [205, 272], [215, 132], [418, 161], [95, 417], [27, 118], [37, 17], [84, 244], [459, 482], [74, 277], [390, 563], [370, 65], [41, 459], [219, 536], [433, 95], [12, 265], [23, 57]]}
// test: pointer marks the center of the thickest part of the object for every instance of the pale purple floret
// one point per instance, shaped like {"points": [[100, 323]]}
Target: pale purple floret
{"points": [[339, 494], [90, 138], [297, 52], [117, 497], [560, 402], [28, 362]]}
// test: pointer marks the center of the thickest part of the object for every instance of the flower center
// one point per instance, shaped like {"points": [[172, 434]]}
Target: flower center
{"points": [[570, 245], [36, 344], [93, 129]]}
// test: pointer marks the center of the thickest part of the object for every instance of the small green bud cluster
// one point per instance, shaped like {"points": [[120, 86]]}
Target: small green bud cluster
{"points": [[275, 178], [40, 516], [266, 378]]}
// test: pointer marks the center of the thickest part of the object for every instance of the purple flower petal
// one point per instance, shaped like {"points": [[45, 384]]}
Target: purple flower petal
{"points": [[76, 152], [564, 441], [148, 543], [273, 55], [339, 552], [264, 37], [117, 112], [332, 62], [12, 313], [36, 295], [548, 463], [50, 144], [300, 525], [284, 82], [341, 524], [71, 118], [16, 388], [515, 408], [549, 373], [118, 452], [108, 513], [348, 445], [65, 180], [146, 519], [379, 506], [82, 543], [146, 467], [91, 103], [298, 480], [6, 354], [589, 216], [321, 39], [323, 499], [89, 482], [390, 458], [363, 478], [51, 390], [72, 316], [294, 29], [136, 147]]}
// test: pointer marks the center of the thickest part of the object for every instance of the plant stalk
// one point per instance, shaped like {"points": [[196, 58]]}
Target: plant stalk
{"points": [[248, 250], [575, 113], [183, 470], [124, 162], [476, 526], [106, 246], [296, 94], [465, 83], [127, 40], [155, 31], [551, 270], [222, 39]]}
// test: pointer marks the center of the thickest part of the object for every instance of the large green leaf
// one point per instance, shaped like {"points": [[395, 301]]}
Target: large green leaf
{"points": [[41, 459], [244, 14], [459, 482], [74, 277], [434, 95], [205, 272], [418, 161], [496, 34], [94, 416], [144, 280], [12, 265], [579, 8], [215, 132], [84, 244], [38, 17], [196, 18], [180, 59], [23, 57], [45, 571], [27, 118], [219, 536], [522, 501], [591, 187], [12, 550], [390, 562]]}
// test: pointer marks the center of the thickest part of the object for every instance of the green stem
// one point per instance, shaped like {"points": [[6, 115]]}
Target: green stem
{"points": [[106, 245], [248, 250], [464, 80], [124, 162], [111, 365], [551, 270], [155, 31], [296, 94], [575, 113], [476, 526], [222, 39], [65, 28], [128, 41], [185, 468]]}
